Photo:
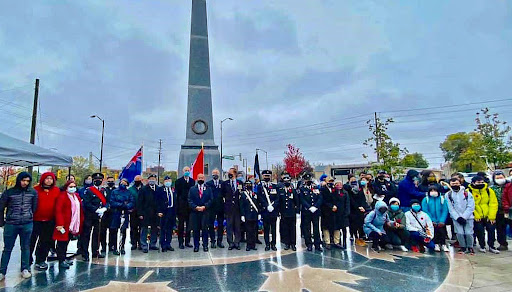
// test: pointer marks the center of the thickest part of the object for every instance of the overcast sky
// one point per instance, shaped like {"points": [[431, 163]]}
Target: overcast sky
{"points": [[308, 73]]}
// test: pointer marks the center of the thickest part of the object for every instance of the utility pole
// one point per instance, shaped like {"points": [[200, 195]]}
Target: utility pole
{"points": [[377, 138], [159, 159], [34, 119]]}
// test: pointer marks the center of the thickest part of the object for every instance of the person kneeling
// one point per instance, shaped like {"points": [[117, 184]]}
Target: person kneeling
{"points": [[421, 228], [374, 226], [397, 233]]}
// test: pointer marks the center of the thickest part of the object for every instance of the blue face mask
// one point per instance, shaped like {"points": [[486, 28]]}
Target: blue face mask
{"points": [[363, 183], [187, 173], [168, 184], [122, 187], [416, 208], [394, 208]]}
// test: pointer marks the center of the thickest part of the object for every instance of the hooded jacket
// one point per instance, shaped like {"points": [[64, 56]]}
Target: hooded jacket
{"points": [[375, 220], [21, 203], [407, 190], [486, 203], [460, 204], [436, 208], [46, 199]]}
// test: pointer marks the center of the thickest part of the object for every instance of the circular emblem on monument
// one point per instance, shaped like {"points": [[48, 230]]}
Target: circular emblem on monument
{"points": [[199, 127]]}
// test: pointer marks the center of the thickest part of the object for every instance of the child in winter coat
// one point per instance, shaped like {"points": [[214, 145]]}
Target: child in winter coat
{"points": [[397, 233], [374, 226], [486, 209], [421, 228], [435, 205], [461, 206]]}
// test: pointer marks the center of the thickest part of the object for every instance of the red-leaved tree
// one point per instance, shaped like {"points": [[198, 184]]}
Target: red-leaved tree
{"points": [[294, 161]]}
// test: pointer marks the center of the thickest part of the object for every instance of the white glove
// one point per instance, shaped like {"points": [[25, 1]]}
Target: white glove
{"points": [[313, 209], [270, 208], [243, 218], [506, 215], [259, 217], [101, 211], [122, 220]]}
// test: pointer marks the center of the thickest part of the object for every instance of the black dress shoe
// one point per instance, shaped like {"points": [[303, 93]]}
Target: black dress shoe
{"points": [[188, 245], [116, 252], [294, 248], [247, 249], [170, 248], [182, 246], [220, 245], [85, 258], [153, 248], [145, 250], [267, 248], [196, 249], [286, 247], [214, 245], [231, 247], [254, 248], [237, 247], [274, 248], [205, 248], [123, 252], [164, 249], [319, 248], [310, 248]]}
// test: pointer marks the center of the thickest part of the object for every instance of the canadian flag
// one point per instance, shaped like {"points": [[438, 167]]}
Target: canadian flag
{"points": [[198, 165]]}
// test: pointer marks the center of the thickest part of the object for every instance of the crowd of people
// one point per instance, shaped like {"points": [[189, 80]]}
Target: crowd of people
{"points": [[411, 215]]}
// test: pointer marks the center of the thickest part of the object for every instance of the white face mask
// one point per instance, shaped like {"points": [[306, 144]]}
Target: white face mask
{"points": [[71, 190], [501, 181], [434, 194]]}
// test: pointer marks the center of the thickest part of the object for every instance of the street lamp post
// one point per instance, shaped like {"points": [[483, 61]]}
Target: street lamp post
{"points": [[221, 157], [102, 136], [266, 155]]}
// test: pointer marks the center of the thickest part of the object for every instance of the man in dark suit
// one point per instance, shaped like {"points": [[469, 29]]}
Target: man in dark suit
{"points": [[269, 202], [217, 209], [250, 211], [288, 209], [231, 193], [200, 199], [182, 187], [147, 209], [167, 201]]}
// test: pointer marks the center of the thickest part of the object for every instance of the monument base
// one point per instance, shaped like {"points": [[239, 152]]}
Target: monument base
{"points": [[188, 155]]}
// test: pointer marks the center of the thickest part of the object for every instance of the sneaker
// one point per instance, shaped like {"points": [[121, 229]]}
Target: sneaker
{"points": [[403, 248], [437, 248], [462, 250], [360, 242], [2, 277], [445, 248], [26, 274], [389, 246], [482, 250], [41, 267], [52, 254], [414, 248], [471, 251], [493, 250]]}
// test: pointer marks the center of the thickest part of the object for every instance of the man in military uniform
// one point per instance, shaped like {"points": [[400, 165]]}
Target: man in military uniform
{"points": [[250, 209], [107, 219], [217, 209], [231, 193], [311, 201], [182, 187], [167, 201], [288, 208], [269, 202], [147, 208], [95, 205]]}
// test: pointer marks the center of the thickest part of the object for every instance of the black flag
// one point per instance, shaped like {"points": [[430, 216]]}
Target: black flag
{"points": [[257, 174]]}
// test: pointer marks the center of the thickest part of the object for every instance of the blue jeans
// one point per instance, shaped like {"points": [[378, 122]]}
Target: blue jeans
{"points": [[11, 232], [417, 239]]}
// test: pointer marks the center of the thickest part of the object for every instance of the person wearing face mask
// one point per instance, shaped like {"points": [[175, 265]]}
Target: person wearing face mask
{"points": [[311, 202], [182, 187], [503, 190], [107, 219], [397, 233], [486, 208], [147, 206], [69, 220], [167, 202], [328, 210], [340, 220], [435, 205], [44, 220], [420, 228], [121, 201], [231, 190], [461, 206], [269, 202], [87, 182], [358, 208], [250, 211], [95, 204], [367, 190], [200, 200], [428, 178], [217, 210], [383, 188], [288, 208], [374, 226], [408, 189], [135, 191]]}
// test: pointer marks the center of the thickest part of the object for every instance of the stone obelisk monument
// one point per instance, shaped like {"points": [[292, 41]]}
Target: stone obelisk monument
{"points": [[199, 109]]}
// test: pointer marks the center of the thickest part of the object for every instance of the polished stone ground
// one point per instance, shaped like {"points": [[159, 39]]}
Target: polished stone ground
{"points": [[356, 269]]}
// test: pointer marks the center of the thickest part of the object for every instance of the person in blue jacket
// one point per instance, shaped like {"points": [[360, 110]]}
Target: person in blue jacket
{"points": [[121, 200], [436, 206], [408, 190], [374, 226]]}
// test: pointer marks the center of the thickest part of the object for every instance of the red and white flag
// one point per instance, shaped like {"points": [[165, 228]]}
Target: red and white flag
{"points": [[198, 165]]}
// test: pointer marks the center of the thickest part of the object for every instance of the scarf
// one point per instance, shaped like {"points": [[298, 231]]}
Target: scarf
{"points": [[74, 226], [368, 195]]}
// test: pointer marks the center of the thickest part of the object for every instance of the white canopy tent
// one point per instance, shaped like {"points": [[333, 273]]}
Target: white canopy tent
{"points": [[14, 152]]}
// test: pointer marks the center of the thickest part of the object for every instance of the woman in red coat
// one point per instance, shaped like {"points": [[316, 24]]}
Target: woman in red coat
{"points": [[69, 218]]}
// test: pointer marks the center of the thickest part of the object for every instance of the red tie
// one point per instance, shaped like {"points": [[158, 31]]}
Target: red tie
{"points": [[200, 192]]}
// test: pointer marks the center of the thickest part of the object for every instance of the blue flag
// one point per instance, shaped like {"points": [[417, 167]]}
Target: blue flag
{"points": [[133, 168]]}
